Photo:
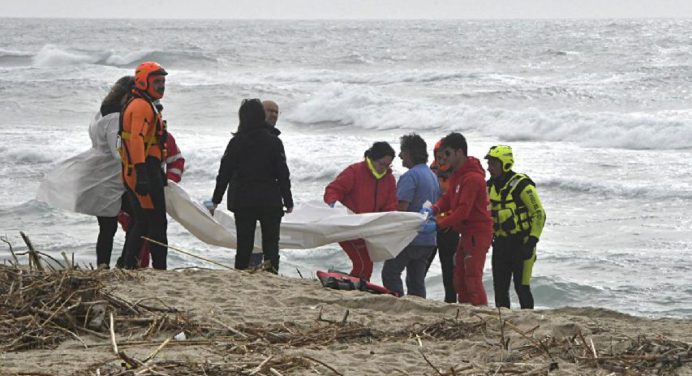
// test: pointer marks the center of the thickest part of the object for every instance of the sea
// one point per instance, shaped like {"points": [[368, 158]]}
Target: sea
{"points": [[597, 111]]}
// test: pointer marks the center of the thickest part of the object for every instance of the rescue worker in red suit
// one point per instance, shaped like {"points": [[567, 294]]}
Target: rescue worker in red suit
{"points": [[175, 165], [467, 202], [143, 136], [447, 239], [364, 187]]}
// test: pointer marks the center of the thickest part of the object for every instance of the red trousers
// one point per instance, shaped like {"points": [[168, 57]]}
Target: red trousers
{"points": [[357, 251], [468, 268]]}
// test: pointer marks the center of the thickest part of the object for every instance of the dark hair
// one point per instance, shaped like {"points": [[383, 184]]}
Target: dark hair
{"points": [[121, 88], [455, 141], [416, 147], [251, 115], [379, 150]]}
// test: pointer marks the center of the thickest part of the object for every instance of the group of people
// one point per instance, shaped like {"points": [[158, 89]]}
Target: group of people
{"points": [[465, 213], [130, 128]]}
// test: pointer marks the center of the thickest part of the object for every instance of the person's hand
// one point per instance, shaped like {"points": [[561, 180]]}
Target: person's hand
{"points": [[331, 204], [428, 212], [142, 183], [528, 247], [429, 226], [210, 205], [289, 210]]}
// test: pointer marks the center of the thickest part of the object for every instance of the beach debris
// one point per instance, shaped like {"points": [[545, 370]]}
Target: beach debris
{"points": [[44, 304], [43, 307]]}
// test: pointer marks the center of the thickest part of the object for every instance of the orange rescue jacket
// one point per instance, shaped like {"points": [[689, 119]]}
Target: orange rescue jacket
{"points": [[141, 135]]}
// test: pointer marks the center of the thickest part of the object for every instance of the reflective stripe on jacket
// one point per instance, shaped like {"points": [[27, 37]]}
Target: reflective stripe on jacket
{"points": [[175, 163]]}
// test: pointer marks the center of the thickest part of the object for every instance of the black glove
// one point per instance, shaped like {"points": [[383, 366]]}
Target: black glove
{"points": [[142, 185], [528, 247]]}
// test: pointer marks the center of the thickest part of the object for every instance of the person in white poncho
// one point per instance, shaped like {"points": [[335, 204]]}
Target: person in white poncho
{"points": [[90, 182]]}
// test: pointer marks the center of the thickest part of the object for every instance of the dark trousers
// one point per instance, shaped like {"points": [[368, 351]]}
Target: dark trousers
{"points": [[508, 266], [151, 223], [245, 223], [104, 243], [447, 246], [414, 259]]}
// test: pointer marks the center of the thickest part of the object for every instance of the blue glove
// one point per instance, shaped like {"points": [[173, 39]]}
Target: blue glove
{"points": [[210, 205], [428, 211], [428, 227], [331, 205]]}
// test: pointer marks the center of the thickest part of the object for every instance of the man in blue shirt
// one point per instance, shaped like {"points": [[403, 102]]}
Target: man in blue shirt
{"points": [[416, 186]]}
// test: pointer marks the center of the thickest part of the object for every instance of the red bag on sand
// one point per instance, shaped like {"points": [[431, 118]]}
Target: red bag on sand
{"points": [[342, 281]]}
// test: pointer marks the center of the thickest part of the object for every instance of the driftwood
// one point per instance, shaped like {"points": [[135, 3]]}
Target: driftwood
{"points": [[43, 307]]}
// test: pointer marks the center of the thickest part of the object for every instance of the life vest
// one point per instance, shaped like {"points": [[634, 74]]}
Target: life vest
{"points": [[510, 214], [157, 137], [341, 281]]}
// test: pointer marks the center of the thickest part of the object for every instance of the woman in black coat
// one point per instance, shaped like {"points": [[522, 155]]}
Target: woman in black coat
{"points": [[254, 171]]}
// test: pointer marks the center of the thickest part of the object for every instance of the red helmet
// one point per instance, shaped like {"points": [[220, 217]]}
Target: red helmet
{"points": [[438, 146], [144, 72]]}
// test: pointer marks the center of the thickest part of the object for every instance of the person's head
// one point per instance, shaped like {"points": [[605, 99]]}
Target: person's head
{"points": [[439, 154], [250, 114], [271, 110], [381, 154], [500, 160], [150, 78], [119, 92], [454, 150], [413, 150]]}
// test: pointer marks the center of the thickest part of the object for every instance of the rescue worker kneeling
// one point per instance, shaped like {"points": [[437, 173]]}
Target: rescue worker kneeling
{"points": [[143, 137], [518, 219]]}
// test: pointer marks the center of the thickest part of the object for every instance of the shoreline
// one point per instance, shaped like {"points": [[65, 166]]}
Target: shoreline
{"points": [[240, 319]]}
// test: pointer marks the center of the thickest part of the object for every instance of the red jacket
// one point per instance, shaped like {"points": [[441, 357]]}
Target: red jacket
{"points": [[466, 200], [175, 163], [357, 188]]}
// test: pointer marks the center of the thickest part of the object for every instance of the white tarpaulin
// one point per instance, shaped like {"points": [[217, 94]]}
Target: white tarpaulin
{"points": [[309, 226], [87, 183]]}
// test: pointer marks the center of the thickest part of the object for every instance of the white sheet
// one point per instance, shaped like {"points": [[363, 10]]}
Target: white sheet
{"points": [[310, 225]]}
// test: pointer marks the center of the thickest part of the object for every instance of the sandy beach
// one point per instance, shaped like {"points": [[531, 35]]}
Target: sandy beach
{"points": [[260, 324]]}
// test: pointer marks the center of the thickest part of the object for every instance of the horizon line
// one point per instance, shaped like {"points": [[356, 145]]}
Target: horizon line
{"points": [[346, 19]]}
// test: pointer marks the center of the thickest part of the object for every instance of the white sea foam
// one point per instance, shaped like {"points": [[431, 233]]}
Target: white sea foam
{"points": [[52, 55], [371, 108]]}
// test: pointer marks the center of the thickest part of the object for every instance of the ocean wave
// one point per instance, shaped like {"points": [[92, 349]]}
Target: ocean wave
{"points": [[25, 157], [14, 58], [203, 166], [615, 188], [340, 105], [558, 293], [4, 53], [386, 77], [308, 171], [52, 55]]}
